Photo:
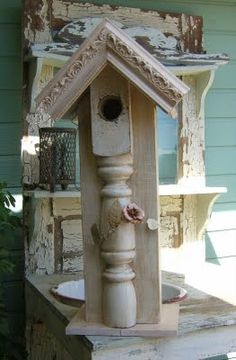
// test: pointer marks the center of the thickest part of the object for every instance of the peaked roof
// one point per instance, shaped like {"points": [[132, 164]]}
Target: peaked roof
{"points": [[109, 44]]}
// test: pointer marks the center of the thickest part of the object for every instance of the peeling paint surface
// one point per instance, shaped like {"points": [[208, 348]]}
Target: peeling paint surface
{"points": [[67, 207], [171, 231], [191, 150], [44, 18], [36, 21], [149, 37], [72, 236], [40, 251]]}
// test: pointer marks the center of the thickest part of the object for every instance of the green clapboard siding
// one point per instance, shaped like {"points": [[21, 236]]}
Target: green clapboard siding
{"points": [[224, 180], [218, 245], [217, 160], [219, 135], [10, 106], [226, 76], [10, 170], [10, 36], [220, 103], [10, 159], [10, 92], [10, 138], [224, 42], [10, 73]]}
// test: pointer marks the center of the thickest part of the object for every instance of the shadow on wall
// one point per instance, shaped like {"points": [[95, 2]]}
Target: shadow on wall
{"points": [[210, 253]]}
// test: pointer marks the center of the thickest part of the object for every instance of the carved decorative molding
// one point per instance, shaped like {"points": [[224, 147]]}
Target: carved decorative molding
{"points": [[83, 58], [147, 70], [109, 44]]}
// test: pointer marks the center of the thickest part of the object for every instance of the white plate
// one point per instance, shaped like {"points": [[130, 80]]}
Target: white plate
{"points": [[72, 293]]}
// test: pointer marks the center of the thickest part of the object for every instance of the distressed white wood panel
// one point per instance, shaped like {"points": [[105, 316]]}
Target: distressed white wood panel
{"points": [[191, 142], [40, 253], [66, 206], [72, 236], [171, 227], [179, 25], [73, 264]]}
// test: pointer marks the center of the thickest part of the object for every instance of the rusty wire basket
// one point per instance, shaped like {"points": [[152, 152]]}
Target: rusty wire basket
{"points": [[57, 157]]}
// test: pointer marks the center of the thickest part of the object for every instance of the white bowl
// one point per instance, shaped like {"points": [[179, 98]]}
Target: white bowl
{"points": [[72, 293]]}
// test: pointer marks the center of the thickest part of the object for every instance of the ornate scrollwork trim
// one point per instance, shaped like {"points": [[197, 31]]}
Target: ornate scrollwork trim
{"points": [[107, 40], [147, 70], [83, 58]]}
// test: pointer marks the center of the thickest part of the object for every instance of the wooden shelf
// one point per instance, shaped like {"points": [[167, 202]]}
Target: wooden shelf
{"points": [[205, 197], [40, 194], [164, 190], [176, 189]]}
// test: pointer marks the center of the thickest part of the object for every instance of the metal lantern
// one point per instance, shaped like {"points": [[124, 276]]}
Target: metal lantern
{"points": [[57, 151]]}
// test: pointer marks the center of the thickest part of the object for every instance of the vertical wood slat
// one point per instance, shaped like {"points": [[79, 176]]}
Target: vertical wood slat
{"points": [[90, 200], [145, 194]]}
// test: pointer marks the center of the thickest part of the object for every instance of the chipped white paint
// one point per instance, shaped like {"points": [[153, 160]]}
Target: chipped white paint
{"points": [[73, 263], [127, 16], [66, 207], [39, 32], [189, 218], [181, 63], [72, 236], [155, 38], [40, 251], [192, 142], [79, 30], [36, 120], [170, 204], [169, 231]]}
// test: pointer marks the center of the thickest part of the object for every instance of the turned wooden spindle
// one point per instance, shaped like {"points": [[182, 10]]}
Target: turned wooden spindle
{"points": [[118, 242]]}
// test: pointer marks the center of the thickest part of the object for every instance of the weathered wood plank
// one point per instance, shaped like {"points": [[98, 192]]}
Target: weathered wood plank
{"points": [[40, 250], [191, 143], [109, 138], [179, 25], [144, 184], [90, 190]]}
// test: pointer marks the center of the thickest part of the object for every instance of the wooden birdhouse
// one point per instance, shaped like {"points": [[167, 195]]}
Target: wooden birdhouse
{"points": [[114, 85]]}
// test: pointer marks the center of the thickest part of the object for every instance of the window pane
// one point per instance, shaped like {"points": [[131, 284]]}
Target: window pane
{"points": [[167, 135]]}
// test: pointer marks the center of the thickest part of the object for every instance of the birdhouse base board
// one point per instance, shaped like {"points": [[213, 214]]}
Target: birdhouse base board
{"points": [[167, 327]]}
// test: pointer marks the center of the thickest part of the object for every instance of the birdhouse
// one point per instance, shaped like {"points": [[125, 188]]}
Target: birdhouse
{"points": [[114, 85]]}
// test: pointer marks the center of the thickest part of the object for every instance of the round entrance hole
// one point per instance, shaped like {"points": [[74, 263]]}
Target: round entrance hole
{"points": [[110, 108]]}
